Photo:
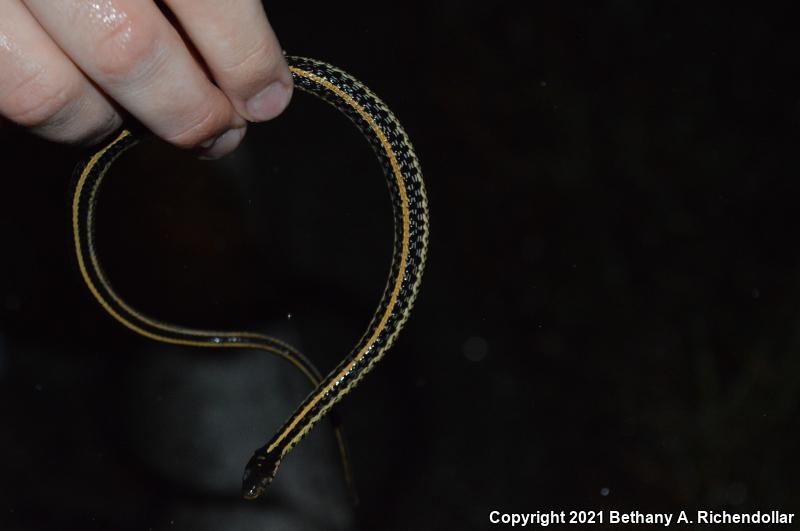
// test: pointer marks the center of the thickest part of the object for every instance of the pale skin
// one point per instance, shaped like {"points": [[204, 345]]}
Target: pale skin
{"points": [[71, 69]]}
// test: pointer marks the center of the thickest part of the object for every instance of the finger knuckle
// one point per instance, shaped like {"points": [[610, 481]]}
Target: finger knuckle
{"points": [[127, 50], [37, 102], [200, 126], [252, 65], [62, 112]]}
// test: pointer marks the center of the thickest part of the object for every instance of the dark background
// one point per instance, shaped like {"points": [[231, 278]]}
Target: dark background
{"points": [[610, 318]]}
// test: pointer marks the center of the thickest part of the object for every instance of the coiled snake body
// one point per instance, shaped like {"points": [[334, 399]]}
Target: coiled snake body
{"points": [[410, 215]]}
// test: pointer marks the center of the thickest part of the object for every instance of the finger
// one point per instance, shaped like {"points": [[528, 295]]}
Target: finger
{"points": [[132, 52], [242, 52], [41, 89]]}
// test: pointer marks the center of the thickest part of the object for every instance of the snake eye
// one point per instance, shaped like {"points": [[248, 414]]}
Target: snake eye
{"points": [[251, 490]]}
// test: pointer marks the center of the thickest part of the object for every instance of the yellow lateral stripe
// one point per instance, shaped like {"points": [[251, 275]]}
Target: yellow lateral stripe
{"points": [[403, 256], [148, 320], [185, 331], [107, 307]]}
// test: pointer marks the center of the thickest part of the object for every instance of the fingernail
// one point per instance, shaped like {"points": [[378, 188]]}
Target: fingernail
{"points": [[270, 102], [223, 144]]}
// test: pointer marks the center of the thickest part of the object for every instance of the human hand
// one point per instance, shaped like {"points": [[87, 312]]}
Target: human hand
{"points": [[194, 75]]}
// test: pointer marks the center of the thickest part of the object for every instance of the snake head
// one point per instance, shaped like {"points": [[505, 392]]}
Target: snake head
{"points": [[258, 474]]}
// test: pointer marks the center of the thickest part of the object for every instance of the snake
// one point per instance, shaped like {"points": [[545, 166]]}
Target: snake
{"points": [[410, 216]]}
